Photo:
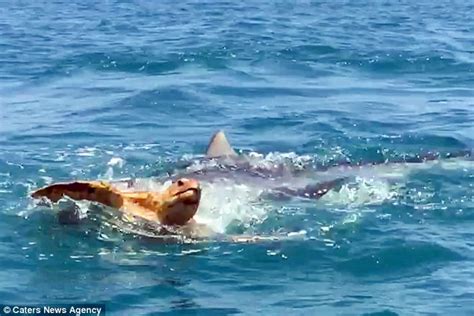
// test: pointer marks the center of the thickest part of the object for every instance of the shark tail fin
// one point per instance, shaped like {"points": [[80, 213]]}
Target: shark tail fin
{"points": [[219, 146]]}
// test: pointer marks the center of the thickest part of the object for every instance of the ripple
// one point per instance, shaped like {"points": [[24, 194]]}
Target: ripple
{"points": [[411, 258]]}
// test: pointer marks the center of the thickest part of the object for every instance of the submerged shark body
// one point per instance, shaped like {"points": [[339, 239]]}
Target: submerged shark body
{"points": [[222, 166]]}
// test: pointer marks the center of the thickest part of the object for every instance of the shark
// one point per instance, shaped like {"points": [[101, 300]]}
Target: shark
{"points": [[222, 164]]}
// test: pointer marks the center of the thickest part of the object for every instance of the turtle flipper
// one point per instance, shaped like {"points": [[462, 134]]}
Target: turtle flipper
{"points": [[94, 191]]}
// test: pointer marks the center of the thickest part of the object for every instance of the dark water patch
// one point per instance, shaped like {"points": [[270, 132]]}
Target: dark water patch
{"points": [[314, 53], [142, 61], [110, 62], [256, 91], [200, 311], [42, 138], [171, 105], [406, 144], [8, 296], [382, 313], [286, 255], [322, 131], [151, 98], [406, 64], [411, 259], [128, 63], [309, 301], [260, 288], [131, 64], [367, 126], [440, 195], [262, 123]]}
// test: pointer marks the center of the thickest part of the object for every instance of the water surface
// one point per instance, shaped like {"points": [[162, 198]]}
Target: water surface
{"points": [[129, 88]]}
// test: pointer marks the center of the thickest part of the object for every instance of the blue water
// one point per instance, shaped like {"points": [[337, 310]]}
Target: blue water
{"points": [[84, 84]]}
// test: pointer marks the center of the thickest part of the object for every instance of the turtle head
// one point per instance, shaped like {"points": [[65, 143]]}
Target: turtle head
{"points": [[180, 202]]}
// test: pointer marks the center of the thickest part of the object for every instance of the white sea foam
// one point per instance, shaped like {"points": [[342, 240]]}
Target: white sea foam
{"points": [[86, 151], [225, 202], [364, 191], [116, 162]]}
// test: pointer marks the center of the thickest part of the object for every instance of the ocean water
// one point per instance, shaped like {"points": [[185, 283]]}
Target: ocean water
{"points": [[116, 89]]}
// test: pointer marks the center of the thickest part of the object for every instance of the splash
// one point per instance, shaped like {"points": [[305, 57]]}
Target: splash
{"points": [[363, 191], [224, 202], [116, 162], [252, 160]]}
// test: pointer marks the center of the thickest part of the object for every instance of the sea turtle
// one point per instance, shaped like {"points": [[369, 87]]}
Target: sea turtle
{"points": [[175, 205]]}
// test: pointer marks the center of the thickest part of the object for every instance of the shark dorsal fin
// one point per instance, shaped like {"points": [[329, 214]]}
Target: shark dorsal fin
{"points": [[219, 146]]}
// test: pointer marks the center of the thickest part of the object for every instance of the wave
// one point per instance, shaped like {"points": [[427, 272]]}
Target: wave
{"points": [[407, 257]]}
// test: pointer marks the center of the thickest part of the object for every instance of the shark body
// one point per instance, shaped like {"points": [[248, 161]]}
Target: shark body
{"points": [[223, 165]]}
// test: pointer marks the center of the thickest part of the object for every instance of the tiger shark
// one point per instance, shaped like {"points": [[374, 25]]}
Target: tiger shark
{"points": [[222, 165]]}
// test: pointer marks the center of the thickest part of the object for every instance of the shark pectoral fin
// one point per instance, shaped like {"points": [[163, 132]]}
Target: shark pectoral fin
{"points": [[280, 194], [316, 191], [219, 146], [311, 191]]}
